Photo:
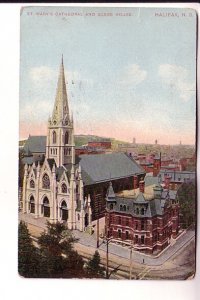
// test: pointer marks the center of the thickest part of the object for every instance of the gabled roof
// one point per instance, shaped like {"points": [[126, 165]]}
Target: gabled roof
{"points": [[106, 167], [35, 144]]}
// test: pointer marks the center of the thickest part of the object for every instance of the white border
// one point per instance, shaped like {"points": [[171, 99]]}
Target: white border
{"points": [[12, 286]]}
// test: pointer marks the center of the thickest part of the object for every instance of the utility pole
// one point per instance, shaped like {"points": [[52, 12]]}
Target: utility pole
{"points": [[98, 229], [107, 258], [131, 251]]}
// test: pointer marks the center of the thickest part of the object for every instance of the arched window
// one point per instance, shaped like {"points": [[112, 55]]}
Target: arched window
{"points": [[64, 211], [46, 207], [32, 205], [45, 182], [121, 207], [66, 137], [64, 188], [124, 208], [111, 206], [142, 211], [137, 211], [32, 184], [54, 137]]}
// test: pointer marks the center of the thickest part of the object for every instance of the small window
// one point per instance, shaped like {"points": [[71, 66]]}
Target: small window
{"points": [[142, 239], [66, 137], [121, 207], [127, 235], [64, 188], [54, 137], [124, 208], [137, 211], [136, 239], [136, 225], [111, 206], [78, 217], [32, 184], [142, 211], [119, 233], [142, 225], [45, 182], [127, 221]]}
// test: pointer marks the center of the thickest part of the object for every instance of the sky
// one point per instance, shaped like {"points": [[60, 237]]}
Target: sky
{"points": [[128, 76]]}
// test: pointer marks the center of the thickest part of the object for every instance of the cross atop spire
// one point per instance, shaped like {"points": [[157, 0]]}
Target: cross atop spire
{"points": [[61, 109]]}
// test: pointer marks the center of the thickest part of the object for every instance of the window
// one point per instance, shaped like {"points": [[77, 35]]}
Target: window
{"points": [[119, 233], [124, 208], [64, 188], [111, 206], [54, 137], [78, 217], [121, 207], [136, 225], [32, 184], [127, 235], [142, 211], [137, 211], [142, 225], [142, 239], [66, 137], [127, 221], [136, 239], [45, 182]]}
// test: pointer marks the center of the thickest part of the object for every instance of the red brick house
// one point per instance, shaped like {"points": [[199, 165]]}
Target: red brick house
{"points": [[145, 218]]}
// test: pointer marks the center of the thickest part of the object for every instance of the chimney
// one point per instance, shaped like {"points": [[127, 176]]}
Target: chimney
{"points": [[141, 186], [167, 181], [135, 182]]}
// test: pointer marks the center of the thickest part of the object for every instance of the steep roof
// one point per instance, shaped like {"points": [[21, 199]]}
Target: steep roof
{"points": [[106, 167], [35, 144]]}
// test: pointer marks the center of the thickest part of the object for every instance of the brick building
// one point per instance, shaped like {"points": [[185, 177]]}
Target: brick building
{"points": [[146, 218]]}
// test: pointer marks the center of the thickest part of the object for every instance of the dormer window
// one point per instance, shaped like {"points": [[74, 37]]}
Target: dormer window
{"points": [[111, 206]]}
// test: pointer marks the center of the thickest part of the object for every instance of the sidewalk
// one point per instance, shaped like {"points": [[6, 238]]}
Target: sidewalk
{"points": [[90, 241]]}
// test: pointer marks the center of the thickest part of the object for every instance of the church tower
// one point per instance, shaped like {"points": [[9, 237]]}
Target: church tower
{"points": [[60, 136]]}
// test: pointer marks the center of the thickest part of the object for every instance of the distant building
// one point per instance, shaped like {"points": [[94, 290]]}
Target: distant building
{"points": [[146, 218]]}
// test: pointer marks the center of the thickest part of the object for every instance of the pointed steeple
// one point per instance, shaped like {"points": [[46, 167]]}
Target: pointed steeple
{"points": [[110, 192], [61, 109]]}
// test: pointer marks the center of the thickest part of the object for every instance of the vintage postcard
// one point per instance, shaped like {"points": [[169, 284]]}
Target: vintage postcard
{"points": [[107, 143]]}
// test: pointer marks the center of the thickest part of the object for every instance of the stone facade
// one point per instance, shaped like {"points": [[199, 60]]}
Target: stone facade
{"points": [[54, 188]]}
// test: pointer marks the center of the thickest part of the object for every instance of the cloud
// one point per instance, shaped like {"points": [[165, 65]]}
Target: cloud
{"points": [[176, 77], [36, 110], [42, 74], [133, 75]]}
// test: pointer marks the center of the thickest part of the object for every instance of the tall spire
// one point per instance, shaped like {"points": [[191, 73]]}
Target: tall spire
{"points": [[61, 109]]}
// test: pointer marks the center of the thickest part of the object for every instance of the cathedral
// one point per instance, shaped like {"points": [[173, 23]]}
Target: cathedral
{"points": [[53, 188], [66, 188]]}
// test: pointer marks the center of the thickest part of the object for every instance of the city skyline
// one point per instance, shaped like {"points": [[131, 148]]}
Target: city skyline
{"points": [[121, 83]]}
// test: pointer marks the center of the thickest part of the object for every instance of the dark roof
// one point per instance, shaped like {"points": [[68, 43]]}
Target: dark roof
{"points": [[177, 175], [30, 160], [35, 144], [106, 167]]}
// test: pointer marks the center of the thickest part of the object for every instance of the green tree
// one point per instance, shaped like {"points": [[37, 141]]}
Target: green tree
{"points": [[58, 258], [28, 256], [93, 268], [187, 200]]}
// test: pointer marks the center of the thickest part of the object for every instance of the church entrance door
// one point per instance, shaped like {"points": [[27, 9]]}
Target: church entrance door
{"points": [[32, 205], [86, 220], [64, 211], [46, 207]]}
